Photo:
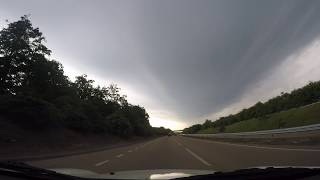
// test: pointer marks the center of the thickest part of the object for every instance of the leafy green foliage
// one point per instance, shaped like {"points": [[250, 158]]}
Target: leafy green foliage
{"points": [[301, 116], [120, 125], [21, 46], [297, 98], [35, 93], [192, 129], [161, 131], [30, 113]]}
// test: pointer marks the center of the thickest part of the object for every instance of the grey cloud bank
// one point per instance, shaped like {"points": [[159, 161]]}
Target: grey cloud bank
{"points": [[190, 58]]}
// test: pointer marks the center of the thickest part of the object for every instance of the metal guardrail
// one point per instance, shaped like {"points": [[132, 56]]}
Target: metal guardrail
{"points": [[313, 127]]}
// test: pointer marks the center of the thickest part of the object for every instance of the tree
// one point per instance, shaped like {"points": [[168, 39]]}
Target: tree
{"points": [[113, 94], [138, 117], [299, 97], [84, 87], [20, 45], [46, 80], [207, 124], [192, 129], [36, 93], [120, 124]]}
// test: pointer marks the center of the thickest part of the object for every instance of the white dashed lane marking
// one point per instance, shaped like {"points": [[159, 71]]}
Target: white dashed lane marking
{"points": [[102, 163], [197, 157], [119, 155], [178, 143]]}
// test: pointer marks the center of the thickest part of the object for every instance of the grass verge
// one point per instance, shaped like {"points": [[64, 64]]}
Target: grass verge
{"points": [[301, 116]]}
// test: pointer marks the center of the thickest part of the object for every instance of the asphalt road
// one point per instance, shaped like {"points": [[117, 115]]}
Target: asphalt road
{"points": [[178, 152]]}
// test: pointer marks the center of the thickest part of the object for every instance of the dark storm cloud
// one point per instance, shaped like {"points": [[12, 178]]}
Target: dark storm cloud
{"points": [[189, 57]]}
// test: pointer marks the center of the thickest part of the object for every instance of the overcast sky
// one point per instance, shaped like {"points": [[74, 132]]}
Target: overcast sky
{"points": [[184, 61]]}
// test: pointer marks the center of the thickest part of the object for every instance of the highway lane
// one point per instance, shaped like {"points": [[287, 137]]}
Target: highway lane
{"points": [[177, 152]]}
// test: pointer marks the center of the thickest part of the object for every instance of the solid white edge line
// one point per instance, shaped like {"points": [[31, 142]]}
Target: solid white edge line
{"points": [[197, 157], [271, 148], [263, 147], [101, 163]]}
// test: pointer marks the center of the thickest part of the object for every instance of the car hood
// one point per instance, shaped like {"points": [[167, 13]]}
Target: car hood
{"points": [[136, 174]]}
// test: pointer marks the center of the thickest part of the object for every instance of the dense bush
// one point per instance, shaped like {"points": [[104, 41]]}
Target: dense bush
{"points": [[120, 125], [160, 131], [29, 112]]}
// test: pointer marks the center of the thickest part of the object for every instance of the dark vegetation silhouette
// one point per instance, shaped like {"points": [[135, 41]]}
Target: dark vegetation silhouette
{"points": [[36, 95], [300, 97]]}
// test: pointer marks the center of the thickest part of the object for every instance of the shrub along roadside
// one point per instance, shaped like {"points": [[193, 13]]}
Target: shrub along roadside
{"points": [[30, 113], [291, 118], [306, 95]]}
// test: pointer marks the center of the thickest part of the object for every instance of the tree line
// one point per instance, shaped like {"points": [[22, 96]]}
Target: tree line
{"points": [[299, 97], [35, 93]]}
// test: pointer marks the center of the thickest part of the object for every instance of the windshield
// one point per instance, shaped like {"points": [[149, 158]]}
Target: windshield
{"points": [[108, 86]]}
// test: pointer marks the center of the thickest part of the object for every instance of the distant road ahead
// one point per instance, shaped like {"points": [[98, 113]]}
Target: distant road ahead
{"points": [[178, 152]]}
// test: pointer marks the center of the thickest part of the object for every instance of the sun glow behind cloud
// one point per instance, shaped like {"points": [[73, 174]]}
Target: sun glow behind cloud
{"points": [[157, 118], [173, 125], [167, 123]]}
